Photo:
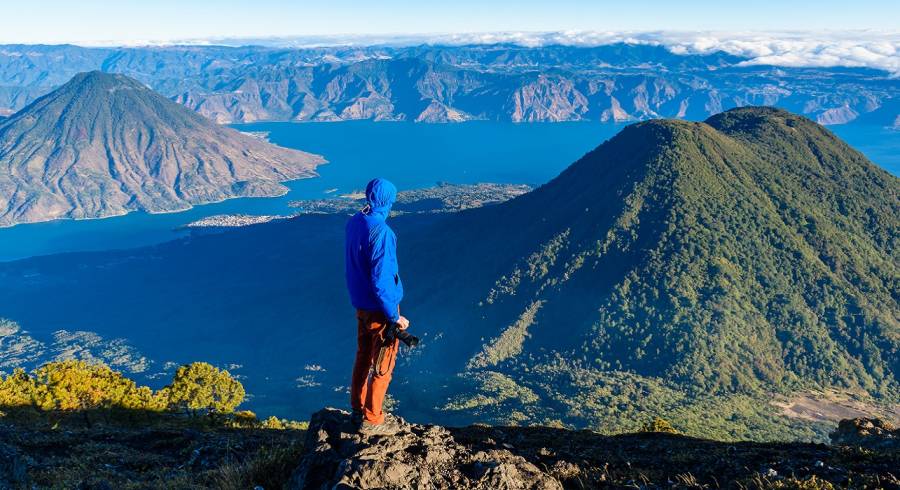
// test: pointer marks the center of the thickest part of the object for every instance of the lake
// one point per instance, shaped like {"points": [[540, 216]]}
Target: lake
{"points": [[411, 155]]}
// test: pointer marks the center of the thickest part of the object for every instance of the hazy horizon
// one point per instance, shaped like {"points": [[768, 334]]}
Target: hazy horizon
{"points": [[56, 21]]}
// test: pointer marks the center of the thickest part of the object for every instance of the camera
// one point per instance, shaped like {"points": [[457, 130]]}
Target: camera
{"points": [[395, 332]]}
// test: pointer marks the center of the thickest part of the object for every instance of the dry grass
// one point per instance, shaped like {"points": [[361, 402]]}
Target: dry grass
{"points": [[271, 467]]}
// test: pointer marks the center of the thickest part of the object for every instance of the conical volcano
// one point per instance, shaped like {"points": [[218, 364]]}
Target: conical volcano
{"points": [[104, 145], [751, 252]]}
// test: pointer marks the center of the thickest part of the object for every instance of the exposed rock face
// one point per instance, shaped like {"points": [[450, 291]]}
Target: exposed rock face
{"points": [[437, 112], [103, 145], [866, 432], [548, 99], [838, 115], [417, 457]]}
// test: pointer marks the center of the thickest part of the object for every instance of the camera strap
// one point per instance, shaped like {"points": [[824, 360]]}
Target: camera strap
{"points": [[386, 343]]}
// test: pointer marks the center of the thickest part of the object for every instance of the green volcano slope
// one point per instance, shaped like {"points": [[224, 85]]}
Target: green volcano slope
{"points": [[749, 254]]}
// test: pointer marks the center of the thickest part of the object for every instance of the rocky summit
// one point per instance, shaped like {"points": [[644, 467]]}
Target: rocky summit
{"points": [[484, 457], [418, 456]]}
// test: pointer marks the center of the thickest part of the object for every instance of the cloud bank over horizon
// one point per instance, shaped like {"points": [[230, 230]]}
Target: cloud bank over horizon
{"points": [[869, 49]]}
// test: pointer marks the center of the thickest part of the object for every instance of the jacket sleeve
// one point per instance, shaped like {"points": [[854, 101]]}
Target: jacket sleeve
{"points": [[386, 274]]}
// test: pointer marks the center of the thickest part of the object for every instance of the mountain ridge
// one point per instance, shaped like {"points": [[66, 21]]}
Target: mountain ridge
{"points": [[612, 84]]}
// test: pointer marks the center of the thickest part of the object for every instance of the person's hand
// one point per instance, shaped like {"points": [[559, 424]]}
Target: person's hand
{"points": [[403, 322]]}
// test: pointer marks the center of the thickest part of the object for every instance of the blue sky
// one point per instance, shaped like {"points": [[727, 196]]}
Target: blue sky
{"points": [[86, 21]]}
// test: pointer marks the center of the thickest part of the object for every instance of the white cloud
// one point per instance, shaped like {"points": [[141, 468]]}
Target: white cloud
{"points": [[871, 49], [854, 49]]}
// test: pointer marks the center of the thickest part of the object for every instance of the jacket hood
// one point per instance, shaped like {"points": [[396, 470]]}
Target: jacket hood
{"points": [[380, 196]]}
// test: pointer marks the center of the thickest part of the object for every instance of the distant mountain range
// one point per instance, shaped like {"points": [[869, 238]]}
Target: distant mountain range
{"points": [[612, 83], [692, 270], [104, 145]]}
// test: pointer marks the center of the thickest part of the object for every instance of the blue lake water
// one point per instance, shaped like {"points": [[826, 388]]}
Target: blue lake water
{"points": [[881, 145], [412, 155]]}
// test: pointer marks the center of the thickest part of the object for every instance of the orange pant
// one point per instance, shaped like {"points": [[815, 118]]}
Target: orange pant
{"points": [[370, 382]]}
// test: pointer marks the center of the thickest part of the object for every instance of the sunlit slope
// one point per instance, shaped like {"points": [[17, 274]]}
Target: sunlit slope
{"points": [[104, 145], [752, 250]]}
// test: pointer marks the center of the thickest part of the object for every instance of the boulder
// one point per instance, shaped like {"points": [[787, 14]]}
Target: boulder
{"points": [[419, 456], [866, 432]]}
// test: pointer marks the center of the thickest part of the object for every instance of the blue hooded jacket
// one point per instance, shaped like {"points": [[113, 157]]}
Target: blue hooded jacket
{"points": [[373, 275]]}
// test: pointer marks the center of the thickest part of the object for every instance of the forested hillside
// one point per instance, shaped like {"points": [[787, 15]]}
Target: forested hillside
{"points": [[751, 253]]}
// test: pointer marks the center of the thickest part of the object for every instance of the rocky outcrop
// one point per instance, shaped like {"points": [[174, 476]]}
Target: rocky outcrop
{"points": [[837, 115], [867, 432], [419, 456], [485, 457], [438, 113]]}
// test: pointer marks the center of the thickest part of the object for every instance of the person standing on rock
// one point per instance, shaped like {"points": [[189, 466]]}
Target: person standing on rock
{"points": [[373, 280]]}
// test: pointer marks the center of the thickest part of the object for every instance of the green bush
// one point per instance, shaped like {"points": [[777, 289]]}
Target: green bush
{"points": [[202, 386], [78, 386], [658, 425], [18, 390], [75, 385]]}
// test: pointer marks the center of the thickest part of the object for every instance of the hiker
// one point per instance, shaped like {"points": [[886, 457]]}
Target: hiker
{"points": [[373, 280]]}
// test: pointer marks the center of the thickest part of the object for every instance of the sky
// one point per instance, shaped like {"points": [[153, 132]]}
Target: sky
{"points": [[152, 21]]}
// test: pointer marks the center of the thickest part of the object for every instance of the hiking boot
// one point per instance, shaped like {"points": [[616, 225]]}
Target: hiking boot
{"points": [[389, 427]]}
